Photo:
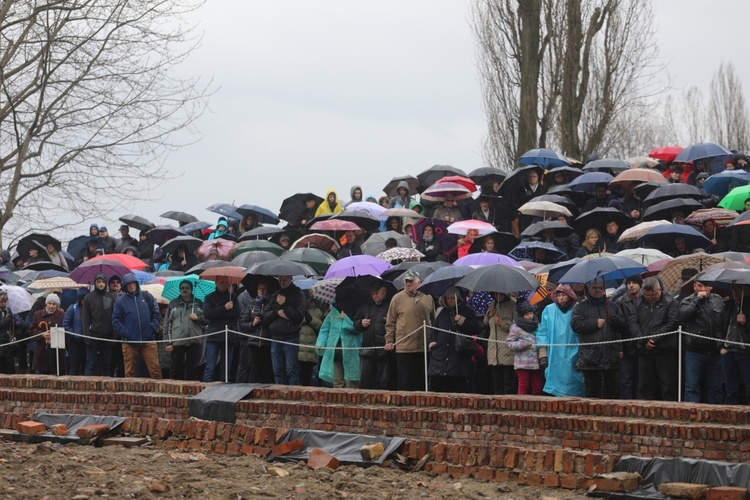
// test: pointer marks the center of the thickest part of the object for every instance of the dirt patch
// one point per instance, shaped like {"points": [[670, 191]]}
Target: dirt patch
{"points": [[82, 472]]}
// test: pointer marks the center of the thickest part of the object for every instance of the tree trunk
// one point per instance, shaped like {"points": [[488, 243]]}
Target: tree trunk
{"points": [[529, 13]]}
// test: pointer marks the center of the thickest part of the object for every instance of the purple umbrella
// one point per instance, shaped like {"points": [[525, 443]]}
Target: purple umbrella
{"points": [[357, 265], [485, 259], [86, 272]]}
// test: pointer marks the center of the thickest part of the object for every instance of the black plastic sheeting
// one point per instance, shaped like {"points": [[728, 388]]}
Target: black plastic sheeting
{"points": [[345, 447], [656, 471], [73, 422], [218, 402]]}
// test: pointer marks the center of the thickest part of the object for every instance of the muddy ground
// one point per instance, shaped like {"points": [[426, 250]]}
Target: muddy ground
{"points": [[82, 472]]}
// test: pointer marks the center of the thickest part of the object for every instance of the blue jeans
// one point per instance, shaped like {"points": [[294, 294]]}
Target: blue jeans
{"points": [[699, 368], [285, 360], [104, 357], [214, 354], [736, 365]]}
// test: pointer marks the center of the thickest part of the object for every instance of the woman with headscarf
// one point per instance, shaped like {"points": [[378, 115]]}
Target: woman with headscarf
{"points": [[44, 356]]}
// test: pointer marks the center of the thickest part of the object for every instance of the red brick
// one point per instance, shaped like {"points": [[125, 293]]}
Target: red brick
{"points": [[551, 481], [485, 474], [288, 447], [31, 427], [456, 471], [569, 481], [91, 431], [320, 458], [440, 468], [59, 430], [726, 493]]}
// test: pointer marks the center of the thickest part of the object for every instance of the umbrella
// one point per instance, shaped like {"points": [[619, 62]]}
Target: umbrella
{"points": [[57, 283], [637, 175], [428, 177], [190, 243], [555, 271], [671, 273], [31, 275], [461, 227], [599, 218], [38, 240], [610, 269], [642, 161], [515, 184], [281, 267], [486, 176], [735, 199], [375, 244], [222, 248], [644, 256], [19, 300], [179, 217], [441, 279], [485, 259], [544, 209], [526, 251], [143, 277], [247, 259], [335, 225], [662, 237], [569, 173], [256, 245], [589, 181], [251, 282], [666, 154], [325, 290], [234, 273], [292, 207], [544, 158], [400, 268], [672, 191], [45, 265], [399, 212], [262, 215], [725, 278], [201, 287], [27, 244], [639, 230], [701, 150], [721, 216], [354, 291], [665, 209], [361, 218], [319, 241], [9, 277], [156, 289], [423, 270], [560, 228], [559, 200], [225, 209], [357, 265], [168, 273], [720, 184], [400, 253], [194, 227], [125, 260], [197, 269], [442, 190], [609, 165], [391, 189], [261, 232], [86, 272], [733, 256], [458, 179], [365, 206], [138, 222], [319, 260], [498, 278], [159, 235], [77, 244], [504, 242]]}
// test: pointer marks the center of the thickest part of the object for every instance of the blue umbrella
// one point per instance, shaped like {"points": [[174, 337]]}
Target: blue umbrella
{"points": [[546, 158], [699, 151], [610, 269], [662, 237], [441, 279], [589, 181], [77, 244], [525, 251], [723, 182], [226, 210], [194, 226], [556, 271], [263, 215], [143, 277], [201, 288]]}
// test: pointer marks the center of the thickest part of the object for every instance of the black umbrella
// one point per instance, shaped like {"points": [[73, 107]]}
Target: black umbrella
{"points": [[443, 278], [423, 269], [249, 259], [664, 209], [169, 273], [391, 189], [612, 166], [498, 278], [515, 184], [486, 176], [569, 173], [744, 216], [504, 242], [262, 215], [199, 268], [598, 218], [354, 292], [559, 228], [77, 244], [557, 270], [161, 234], [397, 270], [292, 207], [319, 260], [280, 267], [179, 217], [38, 241], [576, 197], [251, 281], [436, 172], [671, 191], [44, 265], [260, 233], [193, 227], [138, 222], [360, 217], [645, 188], [190, 243]]}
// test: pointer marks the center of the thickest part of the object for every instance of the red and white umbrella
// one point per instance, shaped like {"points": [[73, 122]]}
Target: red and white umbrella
{"points": [[335, 225], [461, 227], [441, 190]]}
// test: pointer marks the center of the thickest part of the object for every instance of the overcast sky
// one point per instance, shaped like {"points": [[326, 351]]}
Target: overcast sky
{"points": [[334, 93]]}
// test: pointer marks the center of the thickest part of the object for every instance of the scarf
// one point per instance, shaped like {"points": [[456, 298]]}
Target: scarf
{"points": [[428, 239], [527, 325]]}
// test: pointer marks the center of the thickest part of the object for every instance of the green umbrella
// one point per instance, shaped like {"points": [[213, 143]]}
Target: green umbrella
{"points": [[201, 288], [735, 199], [254, 245], [319, 260]]}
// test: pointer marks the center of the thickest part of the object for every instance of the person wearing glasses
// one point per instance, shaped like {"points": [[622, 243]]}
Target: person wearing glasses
{"points": [[183, 327], [448, 211]]}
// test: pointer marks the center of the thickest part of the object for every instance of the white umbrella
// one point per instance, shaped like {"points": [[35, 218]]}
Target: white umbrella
{"points": [[644, 256], [19, 300], [544, 209], [400, 253], [58, 283], [639, 230], [462, 226]]}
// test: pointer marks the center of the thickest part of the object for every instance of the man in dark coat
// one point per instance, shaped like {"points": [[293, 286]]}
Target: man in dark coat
{"points": [[96, 318], [377, 367], [629, 361], [283, 318], [655, 313], [221, 310], [254, 363], [125, 239]]}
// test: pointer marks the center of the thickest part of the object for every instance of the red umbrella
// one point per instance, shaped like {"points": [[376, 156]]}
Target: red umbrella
{"points": [[335, 225], [440, 190], [464, 181], [222, 248], [319, 241], [666, 153], [126, 260]]}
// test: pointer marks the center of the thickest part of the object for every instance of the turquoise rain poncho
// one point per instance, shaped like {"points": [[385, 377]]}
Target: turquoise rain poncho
{"points": [[334, 329]]}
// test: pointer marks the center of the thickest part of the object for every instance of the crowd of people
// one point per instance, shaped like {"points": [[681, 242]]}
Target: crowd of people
{"points": [[575, 340]]}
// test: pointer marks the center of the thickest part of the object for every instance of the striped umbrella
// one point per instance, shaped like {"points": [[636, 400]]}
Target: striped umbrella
{"points": [[721, 216]]}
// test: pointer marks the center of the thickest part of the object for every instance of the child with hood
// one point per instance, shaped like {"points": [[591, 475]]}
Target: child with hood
{"points": [[402, 198], [522, 341], [222, 226], [330, 205]]}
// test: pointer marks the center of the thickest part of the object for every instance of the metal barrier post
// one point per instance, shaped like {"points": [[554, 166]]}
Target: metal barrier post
{"points": [[424, 330], [226, 354], [679, 364]]}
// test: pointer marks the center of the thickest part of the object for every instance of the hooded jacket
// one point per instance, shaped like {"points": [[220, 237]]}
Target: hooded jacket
{"points": [[251, 308], [401, 201], [218, 233], [326, 208], [338, 331], [136, 315], [96, 312], [651, 319], [351, 196], [72, 322], [178, 327], [294, 308]]}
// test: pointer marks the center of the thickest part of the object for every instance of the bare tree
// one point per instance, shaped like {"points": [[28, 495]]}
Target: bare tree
{"points": [[727, 113], [694, 118], [89, 104]]}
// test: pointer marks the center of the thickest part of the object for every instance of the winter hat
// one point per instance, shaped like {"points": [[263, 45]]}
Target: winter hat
{"points": [[52, 298], [524, 307], [94, 225], [636, 278], [103, 229], [411, 275], [702, 175]]}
